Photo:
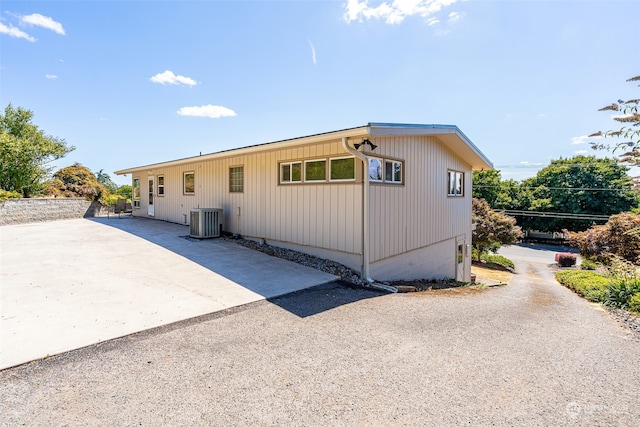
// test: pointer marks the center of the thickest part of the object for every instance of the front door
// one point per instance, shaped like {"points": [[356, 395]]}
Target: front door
{"points": [[460, 260], [150, 207]]}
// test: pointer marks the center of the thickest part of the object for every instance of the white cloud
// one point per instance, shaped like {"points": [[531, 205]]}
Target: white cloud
{"points": [[396, 11], [583, 139], [43, 21], [455, 17], [580, 152], [313, 53], [51, 76], [169, 78], [16, 32], [527, 164], [212, 111], [432, 21]]}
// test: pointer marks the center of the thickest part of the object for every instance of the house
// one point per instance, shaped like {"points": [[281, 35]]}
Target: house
{"points": [[392, 201]]}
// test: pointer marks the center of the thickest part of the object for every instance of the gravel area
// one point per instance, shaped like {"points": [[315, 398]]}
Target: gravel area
{"points": [[628, 320], [531, 353], [325, 265]]}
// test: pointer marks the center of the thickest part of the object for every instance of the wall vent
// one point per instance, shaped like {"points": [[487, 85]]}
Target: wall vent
{"points": [[205, 223]]}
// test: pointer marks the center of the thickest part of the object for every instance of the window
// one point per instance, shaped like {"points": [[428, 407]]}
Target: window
{"points": [[315, 170], [189, 183], [236, 179], [375, 169], [456, 180], [460, 254], [136, 192], [160, 185], [393, 171], [290, 172], [343, 169]]}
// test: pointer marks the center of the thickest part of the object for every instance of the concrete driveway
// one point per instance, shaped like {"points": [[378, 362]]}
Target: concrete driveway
{"points": [[69, 284]]}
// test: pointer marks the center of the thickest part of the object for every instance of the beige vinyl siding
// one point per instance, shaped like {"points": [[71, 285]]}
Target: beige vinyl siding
{"points": [[325, 215], [418, 213]]}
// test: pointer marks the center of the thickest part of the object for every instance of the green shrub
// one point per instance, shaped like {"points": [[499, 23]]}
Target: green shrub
{"points": [[498, 262], [620, 291], [111, 199], [588, 284], [587, 264], [4, 195], [634, 303]]}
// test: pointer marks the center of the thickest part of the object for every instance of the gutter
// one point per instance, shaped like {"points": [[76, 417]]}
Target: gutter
{"points": [[364, 273]]}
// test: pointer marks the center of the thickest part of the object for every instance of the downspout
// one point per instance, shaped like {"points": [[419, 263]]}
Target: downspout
{"points": [[364, 273]]}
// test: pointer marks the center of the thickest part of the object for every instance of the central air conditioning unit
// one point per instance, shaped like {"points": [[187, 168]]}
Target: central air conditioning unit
{"points": [[205, 223]]}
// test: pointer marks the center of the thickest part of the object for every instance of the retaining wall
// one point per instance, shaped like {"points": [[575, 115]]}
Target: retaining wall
{"points": [[22, 211]]}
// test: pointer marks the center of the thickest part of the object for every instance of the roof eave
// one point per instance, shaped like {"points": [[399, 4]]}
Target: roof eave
{"points": [[348, 133], [451, 135]]}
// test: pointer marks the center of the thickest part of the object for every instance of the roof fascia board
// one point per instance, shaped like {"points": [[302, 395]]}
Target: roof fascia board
{"points": [[391, 129], [269, 146]]}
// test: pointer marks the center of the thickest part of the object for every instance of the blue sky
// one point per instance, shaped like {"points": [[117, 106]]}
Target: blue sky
{"points": [[138, 82]]}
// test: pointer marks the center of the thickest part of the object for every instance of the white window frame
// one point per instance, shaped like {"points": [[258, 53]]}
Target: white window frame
{"points": [[458, 176], [134, 199], [324, 160], [342, 179], [160, 187], [290, 164], [381, 160], [184, 183], [393, 178]]}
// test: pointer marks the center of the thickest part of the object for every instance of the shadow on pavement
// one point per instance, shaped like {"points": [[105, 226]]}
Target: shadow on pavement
{"points": [[302, 290], [325, 297], [547, 247]]}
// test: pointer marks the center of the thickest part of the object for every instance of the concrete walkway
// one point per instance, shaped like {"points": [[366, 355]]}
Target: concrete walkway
{"points": [[69, 284]]}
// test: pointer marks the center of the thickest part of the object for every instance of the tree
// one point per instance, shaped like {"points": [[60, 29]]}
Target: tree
{"points": [[488, 185], [124, 191], [76, 181], [104, 179], [492, 229], [579, 185], [618, 237], [25, 152], [629, 132]]}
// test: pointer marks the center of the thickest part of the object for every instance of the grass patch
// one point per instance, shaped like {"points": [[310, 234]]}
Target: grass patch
{"points": [[588, 284], [485, 274], [496, 262]]}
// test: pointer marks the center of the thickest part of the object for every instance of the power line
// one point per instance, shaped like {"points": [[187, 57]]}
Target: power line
{"points": [[556, 188], [559, 215]]}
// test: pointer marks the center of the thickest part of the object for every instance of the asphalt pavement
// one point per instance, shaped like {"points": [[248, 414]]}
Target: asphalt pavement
{"points": [[530, 353]]}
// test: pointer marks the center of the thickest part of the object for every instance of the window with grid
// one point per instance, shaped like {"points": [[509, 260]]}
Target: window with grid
{"points": [[236, 179], [160, 185]]}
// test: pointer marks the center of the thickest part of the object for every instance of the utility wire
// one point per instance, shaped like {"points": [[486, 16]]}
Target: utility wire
{"points": [[556, 188], [560, 215]]}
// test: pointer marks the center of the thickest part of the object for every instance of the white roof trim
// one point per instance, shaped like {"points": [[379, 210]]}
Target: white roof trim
{"points": [[450, 135]]}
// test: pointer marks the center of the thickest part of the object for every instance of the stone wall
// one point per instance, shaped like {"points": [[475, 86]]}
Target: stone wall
{"points": [[21, 211]]}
